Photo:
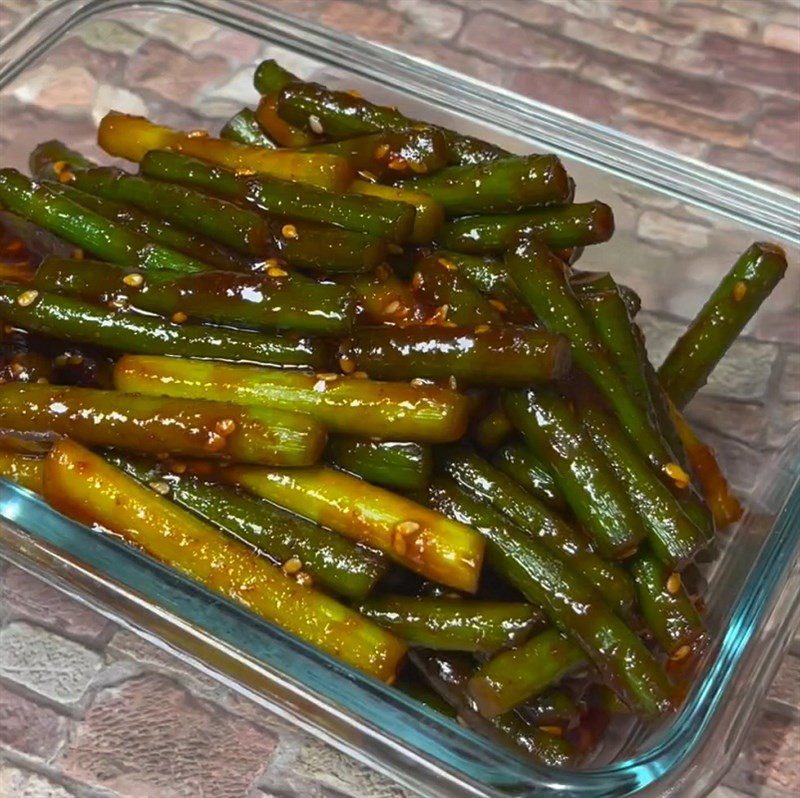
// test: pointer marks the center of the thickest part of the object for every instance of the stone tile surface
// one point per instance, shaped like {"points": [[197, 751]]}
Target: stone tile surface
{"points": [[89, 713]]}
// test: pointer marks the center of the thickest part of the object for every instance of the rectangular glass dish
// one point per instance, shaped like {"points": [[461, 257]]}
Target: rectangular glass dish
{"points": [[680, 225]]}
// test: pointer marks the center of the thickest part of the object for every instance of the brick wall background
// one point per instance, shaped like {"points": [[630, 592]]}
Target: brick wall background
{"points": [[715, 79]]}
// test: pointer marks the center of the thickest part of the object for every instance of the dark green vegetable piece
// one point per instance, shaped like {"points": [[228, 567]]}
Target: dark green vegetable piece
{"points": [[672, 534], [491, 278], [733, 303], [274, 299], [583, 475], [270, 76], [52, 160], [244, 128], [554, 707], [302, 243], [518, 462], [379, 217], [97, 235], [572, 605], [491, 486], [501, 186], [402, 465], [492, 430], [499, 356], [156, 424], [341, 115], [438, 285], [558, 228], [392, 154], [591, 282], [346, 405], [667, 608], [542, 280], [82, 322], [333, 562], [448, 624], [427, 697], [448, 674], [514, 676]]}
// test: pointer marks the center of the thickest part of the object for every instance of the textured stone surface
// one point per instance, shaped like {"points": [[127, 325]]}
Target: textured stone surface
{"points": [[23, 596], [45, 663], [151, 737], [18, 783], [27, 727], [786, 687]]}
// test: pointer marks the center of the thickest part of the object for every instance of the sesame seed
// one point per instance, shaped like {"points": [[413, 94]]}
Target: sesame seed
{"points": [[134, 280], [481, 328], [65, 176], [739, 291], [159, 487], [197, 134], [674, 583], [118, 304], [59, 361], [381, 151], [448, 264], [215, 442], [315, 124], [292, 566], [276, 271], [418, 382], [59, 167], [407, 527], [75, 360], [391, 308], [416, 281], [8, 329], [442, 311], [347, 365], [27, 298], [43, 381], [243, 172], [304, 578], [327, 376], [225, 427], [628, 552], [452, 383], [394, 249], [677, 475], [360, 375], [498, 305], [681, 653], [179, 317], [289, 231], [319, 386], [17, 369], [398, 164], [354, 93], [370, 177]]}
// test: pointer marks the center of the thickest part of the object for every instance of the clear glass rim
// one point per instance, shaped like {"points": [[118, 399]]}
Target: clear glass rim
{"points": [[762, 603]]}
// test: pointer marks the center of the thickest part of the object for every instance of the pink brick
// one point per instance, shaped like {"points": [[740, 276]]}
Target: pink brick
{"points": [[149, 737], [27, 597], [688, 123], [760, 167], [661, 84], [778, 129], [775, 745], [27, 728], [713, 20], [534, 12], [502, 39], [430, 18], [604, 37], [568, 93], [784, 37], [653, 27], [171, 73], [754, 64], [370, 22]]}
